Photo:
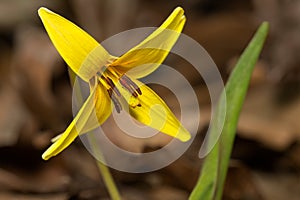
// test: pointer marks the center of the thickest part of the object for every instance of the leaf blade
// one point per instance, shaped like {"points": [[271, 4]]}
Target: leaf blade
{"points": [[211, 181]]}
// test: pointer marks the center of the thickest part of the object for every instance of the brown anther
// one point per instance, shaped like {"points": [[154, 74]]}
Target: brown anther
{"points": [[112, 86], [110, 92], [134, 94], [139, 91], [115, 100], [125, 84], [130, 86]]}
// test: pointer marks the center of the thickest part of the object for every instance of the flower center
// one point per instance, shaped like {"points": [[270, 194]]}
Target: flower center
{"points": [[110, 79]]}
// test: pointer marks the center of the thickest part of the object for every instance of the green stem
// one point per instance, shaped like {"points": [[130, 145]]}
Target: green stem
{"points": [[103, 169]]}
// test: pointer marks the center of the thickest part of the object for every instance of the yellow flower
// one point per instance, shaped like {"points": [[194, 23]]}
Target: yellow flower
{"points": [[114, 79]]}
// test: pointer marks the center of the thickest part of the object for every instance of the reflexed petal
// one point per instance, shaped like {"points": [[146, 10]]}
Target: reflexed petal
{"points": [[73, 44], [154, 49], [101, 112], [84, 121], [154, 112]]}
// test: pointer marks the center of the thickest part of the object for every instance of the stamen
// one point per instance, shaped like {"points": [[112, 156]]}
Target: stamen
{"points": [[112, 91], [139, 91], [130, 86], [112, 85], [115, 100], [107, 78], [125, 84]]}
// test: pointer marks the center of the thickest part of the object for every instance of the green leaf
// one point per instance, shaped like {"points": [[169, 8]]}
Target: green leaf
{"points": [[213, 173]]}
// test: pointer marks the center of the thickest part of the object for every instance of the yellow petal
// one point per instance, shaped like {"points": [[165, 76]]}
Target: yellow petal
{"points": [[154, 49], [73, 44], [151, 110], [93, 113], [101, 111]]}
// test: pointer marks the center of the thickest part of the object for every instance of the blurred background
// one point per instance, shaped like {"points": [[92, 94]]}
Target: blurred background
{"points": [[36, 100]]}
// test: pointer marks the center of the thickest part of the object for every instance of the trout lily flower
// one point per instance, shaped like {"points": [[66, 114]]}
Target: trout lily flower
{"points": [[113, 80]]}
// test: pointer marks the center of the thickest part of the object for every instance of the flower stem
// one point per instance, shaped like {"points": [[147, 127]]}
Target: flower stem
{"points": [[103, 169], [109, 181]]}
